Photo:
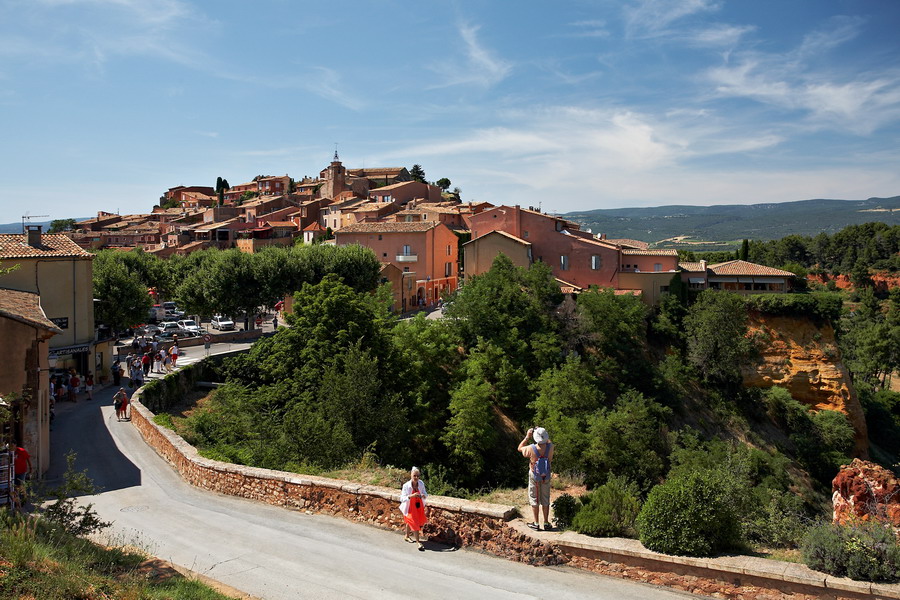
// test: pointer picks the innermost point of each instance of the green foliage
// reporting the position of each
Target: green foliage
(61, 225)
(417, 173)
(862, 551)
(443, 183)
(568, 400)
(823, 306)
(564, 509)
(823, 440)
(716, 327)
(690, 515)
(609, 510)
(630, 440)
(61, 509)
(123, 296)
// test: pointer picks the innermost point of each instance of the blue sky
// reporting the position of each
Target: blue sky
(573, 105)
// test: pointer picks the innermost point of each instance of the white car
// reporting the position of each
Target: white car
(222, 323)
(189, 325)
(170, 326)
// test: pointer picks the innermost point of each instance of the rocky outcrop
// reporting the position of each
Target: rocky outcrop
(864, 491)
(882, 281)
(803, 357)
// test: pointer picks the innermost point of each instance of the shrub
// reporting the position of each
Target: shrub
(821, 306)
(689, 515)
(609, 510)
(564, 509)
(863, 551)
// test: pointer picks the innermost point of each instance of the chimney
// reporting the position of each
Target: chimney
(602, 236)
(34, 235)
(703, 265)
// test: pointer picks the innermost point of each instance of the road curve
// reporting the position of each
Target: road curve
(277, 554)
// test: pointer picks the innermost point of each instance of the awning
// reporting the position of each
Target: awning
(745, 280)
(696, 280)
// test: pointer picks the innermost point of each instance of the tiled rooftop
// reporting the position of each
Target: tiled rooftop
(695, 267)
(637, 244)
(660, 252)
(388, 227)
(25, 307)
(53, 245)
(742, 267)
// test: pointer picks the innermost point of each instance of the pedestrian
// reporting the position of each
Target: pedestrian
(167, 361)
(157, 362)
(145, 363)
(116, 372)
(21, 468)
(539, 455)
(275, 322)
(175, 352)
(61, 389)
(74, 386)
(119, 397)
(155, 344)
(89, 385)
(135, 343)
(412, 505)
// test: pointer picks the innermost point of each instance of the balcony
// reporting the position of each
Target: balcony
(407, 258)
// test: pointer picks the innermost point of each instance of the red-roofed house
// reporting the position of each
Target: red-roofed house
(736, 276)
(312, 232)
(427, 249)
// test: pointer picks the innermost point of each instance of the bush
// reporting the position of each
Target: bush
(564, 509)
(822, 306)
(609, 510)
(864, 551)
(689, 515)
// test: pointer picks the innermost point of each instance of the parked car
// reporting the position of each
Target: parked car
(148, 330)
(222, 323)
(189, 325)
(183, 334)
(170, 326)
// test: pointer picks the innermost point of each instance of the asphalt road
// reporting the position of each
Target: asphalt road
(278, 554)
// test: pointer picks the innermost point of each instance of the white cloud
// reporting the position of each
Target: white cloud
(719, 35)
(480, 66)
(589, 29)
(649, 17)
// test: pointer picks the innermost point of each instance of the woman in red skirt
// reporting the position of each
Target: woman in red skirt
(412, 505)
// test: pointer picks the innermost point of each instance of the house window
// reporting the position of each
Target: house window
(379, 237)
(407, 251)
(596, 263)
(564, 262)
(448, 249)
(657, 267)
(525, 234)
(448, 268)
(384, 254)
(406, 269)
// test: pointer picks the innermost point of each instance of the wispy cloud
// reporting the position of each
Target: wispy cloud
(650, 17)
(480, 66)
(589, 29)
(718, 35)
(858, 102)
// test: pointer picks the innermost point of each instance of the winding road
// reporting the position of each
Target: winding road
(277, 554)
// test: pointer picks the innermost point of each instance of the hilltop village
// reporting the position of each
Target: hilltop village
(425, 237)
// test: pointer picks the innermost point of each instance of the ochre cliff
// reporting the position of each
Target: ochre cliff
(803, 357)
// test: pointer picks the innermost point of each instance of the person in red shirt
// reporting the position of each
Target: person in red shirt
(21, 469)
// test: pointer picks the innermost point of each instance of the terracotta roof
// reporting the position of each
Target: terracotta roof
(567, 288)
(53, 245)
(394, 186)
(314, 226)
(637, 244)
(691, 266)
(504, 234)
(388, 227)
(370, 206)
(282, 224)
(660, 252)
(742, 267)
(376, 171)
(25, 307)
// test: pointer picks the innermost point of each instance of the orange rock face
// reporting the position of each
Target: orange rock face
(804, 358)
(863, 491)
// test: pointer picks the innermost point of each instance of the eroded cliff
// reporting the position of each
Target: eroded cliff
(803, 357)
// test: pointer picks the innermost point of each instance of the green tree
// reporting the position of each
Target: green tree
(123, 298)
(60, 225)
(443, 183)
(417, 173)
(716, 328)
(744, 253)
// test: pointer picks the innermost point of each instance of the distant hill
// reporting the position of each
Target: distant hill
(17, 226)
(726, 224)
